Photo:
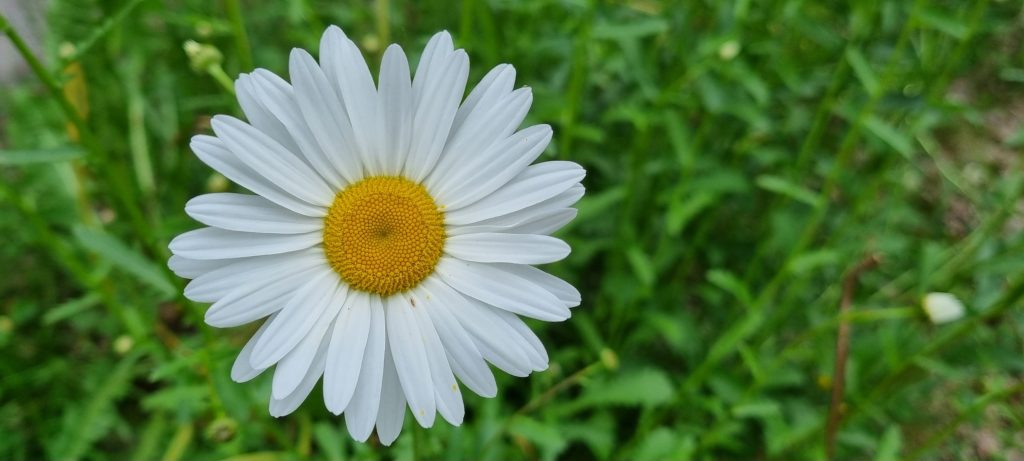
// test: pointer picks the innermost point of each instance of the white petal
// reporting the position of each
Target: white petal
(258, 115)
(528, 340)
(500, 288)
(494, 86)
(410, 359)
(345, 355)
(296, 319)
(395, 109)
(272, 160)
(535, 184)
(355, 86)
(546, 224)
(280, 98)
(391, 414)
(446, 390)
(213, 243)
(484, 130)
(213, 153)
(283, 407)
(216, 284)
(256, 299)
(297, 363)
(506, 248)
(562, 290)
(362, 410)
(546, 214)
(242, 370)
(490, 334)
(325, 115)
(466, 360)
(467, 176)
(437, 89)
(249, 213)
(191, 268)
(532, 223)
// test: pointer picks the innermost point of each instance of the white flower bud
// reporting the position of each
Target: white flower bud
(942, 307)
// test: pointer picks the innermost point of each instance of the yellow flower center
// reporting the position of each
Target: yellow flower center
(384, 234)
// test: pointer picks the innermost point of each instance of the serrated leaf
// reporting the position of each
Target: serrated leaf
(124, 257)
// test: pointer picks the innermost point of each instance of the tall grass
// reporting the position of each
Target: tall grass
(744, 159)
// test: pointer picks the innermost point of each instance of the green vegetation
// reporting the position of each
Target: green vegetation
(744, 159)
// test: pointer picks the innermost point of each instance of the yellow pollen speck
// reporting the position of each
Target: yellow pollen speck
(384, 234)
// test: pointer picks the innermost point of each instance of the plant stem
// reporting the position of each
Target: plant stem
(842, 352)
(234, 8)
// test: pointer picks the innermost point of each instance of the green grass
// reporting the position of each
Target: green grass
(742, 157)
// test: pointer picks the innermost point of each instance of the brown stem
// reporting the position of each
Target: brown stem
(843, 350)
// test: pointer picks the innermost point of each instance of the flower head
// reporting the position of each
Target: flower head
(390, 236)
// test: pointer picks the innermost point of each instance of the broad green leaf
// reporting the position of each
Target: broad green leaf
(622, 389)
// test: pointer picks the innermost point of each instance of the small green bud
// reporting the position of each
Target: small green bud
(222, 430)
(609, 358)
(202, 56)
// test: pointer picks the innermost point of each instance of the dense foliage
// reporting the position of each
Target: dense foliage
(744, 159)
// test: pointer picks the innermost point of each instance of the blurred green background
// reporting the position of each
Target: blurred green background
(745, 158)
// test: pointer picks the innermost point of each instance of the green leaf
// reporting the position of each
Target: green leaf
(731, 284)
(899, 141)
(91, 419)
(621, 389)
(805, 263)
(890, 445)
(642, 266)
(28, 157)
(758, 409)
(863, 71)
(330, 441)
(70, 308)
(124, 257)
(955, 28)
(783, 187)
(595, 205)
(548, 438)
(681, 212)
(630, 30)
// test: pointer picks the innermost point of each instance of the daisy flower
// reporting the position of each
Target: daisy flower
(391, 235)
